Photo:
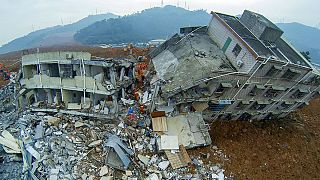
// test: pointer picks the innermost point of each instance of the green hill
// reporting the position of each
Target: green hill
(154, 23)
(57, 35)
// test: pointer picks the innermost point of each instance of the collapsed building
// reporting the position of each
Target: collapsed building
(74, 83)
(234, 68)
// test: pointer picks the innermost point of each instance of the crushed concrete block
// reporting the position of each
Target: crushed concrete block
(168, 142)
(84, 176)
(163, 165)
(125, 101)
(128, 173)
(104, 170)
(95, 143)
(39, 132)
(91, 177)
(118, 152)
(74, 106)
(8, 136)
(143, 159)
(218, 176)
(53, 177)
(106, 178)
(58, 133)
(33, 152)
(153, 176)
(54, 174)
(12, 145)
(78, 124)
(52, 121)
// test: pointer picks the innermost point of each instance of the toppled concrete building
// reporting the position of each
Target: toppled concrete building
(74, 83)
(235, 68)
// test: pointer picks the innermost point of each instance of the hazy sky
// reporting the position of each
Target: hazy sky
(19, 17)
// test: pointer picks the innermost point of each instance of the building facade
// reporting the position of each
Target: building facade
(239, 68)
(74, 82)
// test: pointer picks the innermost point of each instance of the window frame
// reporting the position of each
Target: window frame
(236, 50)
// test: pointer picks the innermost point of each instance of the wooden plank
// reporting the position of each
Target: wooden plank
(185, 154)
(158, 114)
(199, 106)
(179, 159)
(159, 124)
(12, 145)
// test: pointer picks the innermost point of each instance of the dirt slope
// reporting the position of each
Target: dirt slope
(287, 149)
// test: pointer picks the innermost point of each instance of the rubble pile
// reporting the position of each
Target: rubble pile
(69, 147)
(138, 141)
(58, 146)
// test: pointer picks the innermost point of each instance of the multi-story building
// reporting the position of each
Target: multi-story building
(234, 68)
(75, 83)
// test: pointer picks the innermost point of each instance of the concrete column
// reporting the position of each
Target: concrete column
(122, 74)
(50, 97)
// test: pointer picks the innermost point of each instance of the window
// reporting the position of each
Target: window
(223, 87)
(285, 105)
(274, 91)
(256, 90)
(242, 104)
(245, 86)
(236, 50)
(274, 70)
(291, 74)
(66, 71)
(259, 105)
(299, 93)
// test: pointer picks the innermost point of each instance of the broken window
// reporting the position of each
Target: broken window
(242, 104)
(300, 93)
(66, 71)
(236, 50)
(274, 70)
(245, 116)
(302, 105)
(285, 105)
(30, 70)
(245, 86)
(274, 91)
(223, 87)
(259, 105)
(257, 90)
(269, 116)
(69, 56)
(291, 74)
(53, 70)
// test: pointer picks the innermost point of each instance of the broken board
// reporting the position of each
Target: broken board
(179, 159)
(159, 124)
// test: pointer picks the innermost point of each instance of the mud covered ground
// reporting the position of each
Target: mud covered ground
(277, 149)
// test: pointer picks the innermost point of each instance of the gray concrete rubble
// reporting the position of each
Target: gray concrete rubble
(97, 149)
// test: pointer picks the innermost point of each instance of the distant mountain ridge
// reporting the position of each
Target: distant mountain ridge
(304, 38)
(53, 35)
(154, 23)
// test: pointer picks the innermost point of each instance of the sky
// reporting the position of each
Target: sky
(20, 17)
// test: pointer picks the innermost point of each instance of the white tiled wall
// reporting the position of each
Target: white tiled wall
(219, 34)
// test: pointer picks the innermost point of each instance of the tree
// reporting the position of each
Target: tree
(306, 54)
